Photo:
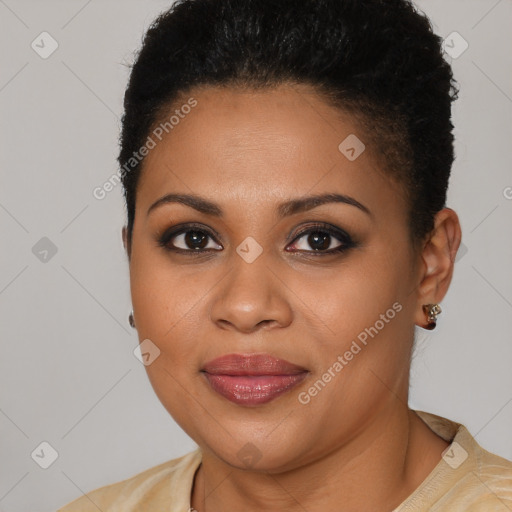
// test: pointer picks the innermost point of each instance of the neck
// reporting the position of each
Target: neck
(376, 470)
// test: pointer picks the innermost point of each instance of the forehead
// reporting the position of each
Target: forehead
(244, 147)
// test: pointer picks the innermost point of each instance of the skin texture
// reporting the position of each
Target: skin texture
(355, 445)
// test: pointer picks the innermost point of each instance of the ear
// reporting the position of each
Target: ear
(437, 261)
(124, 234)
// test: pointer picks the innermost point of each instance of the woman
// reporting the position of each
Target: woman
(285, 167)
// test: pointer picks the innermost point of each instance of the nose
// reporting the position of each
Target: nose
(251, 297)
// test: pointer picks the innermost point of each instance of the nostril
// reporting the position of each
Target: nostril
(265, 323)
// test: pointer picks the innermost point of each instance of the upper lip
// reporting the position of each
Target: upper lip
(251, 364)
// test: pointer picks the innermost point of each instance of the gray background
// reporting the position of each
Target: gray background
(68, 375)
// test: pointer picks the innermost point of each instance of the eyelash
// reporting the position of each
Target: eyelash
(346, 241)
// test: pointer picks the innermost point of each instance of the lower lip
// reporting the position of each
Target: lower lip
(253, 389)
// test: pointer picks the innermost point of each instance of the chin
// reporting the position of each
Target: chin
(247, 450)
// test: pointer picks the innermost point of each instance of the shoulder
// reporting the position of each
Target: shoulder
(492, 481)
(486, 487)
(164, 485)
(468, 478)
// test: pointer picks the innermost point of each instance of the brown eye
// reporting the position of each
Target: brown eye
(322, 240)
(195, 239)
(319, 241)
(188, 240)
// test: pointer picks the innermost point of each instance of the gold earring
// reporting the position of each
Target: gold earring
(431, 311)
(131, 320)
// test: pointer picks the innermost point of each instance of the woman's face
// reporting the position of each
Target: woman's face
(268, 278)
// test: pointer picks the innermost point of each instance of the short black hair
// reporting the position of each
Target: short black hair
(377, 59)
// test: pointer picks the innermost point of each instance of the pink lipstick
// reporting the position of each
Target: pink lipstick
(252, 379)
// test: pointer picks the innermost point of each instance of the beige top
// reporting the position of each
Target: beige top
(466, 479)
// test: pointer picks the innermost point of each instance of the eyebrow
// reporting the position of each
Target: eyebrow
(285, 209)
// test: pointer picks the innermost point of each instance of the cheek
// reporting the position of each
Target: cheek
(352, 296)
(168, 303)
(361, 358)
(366, 325)
(169, 310)
(163, 295)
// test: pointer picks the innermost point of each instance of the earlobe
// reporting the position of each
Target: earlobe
(438, 257)
(124, 234)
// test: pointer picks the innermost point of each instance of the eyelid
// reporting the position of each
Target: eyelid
(183, 227)
(320, 226)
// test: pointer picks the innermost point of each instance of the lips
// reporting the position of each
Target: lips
(252, 379)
